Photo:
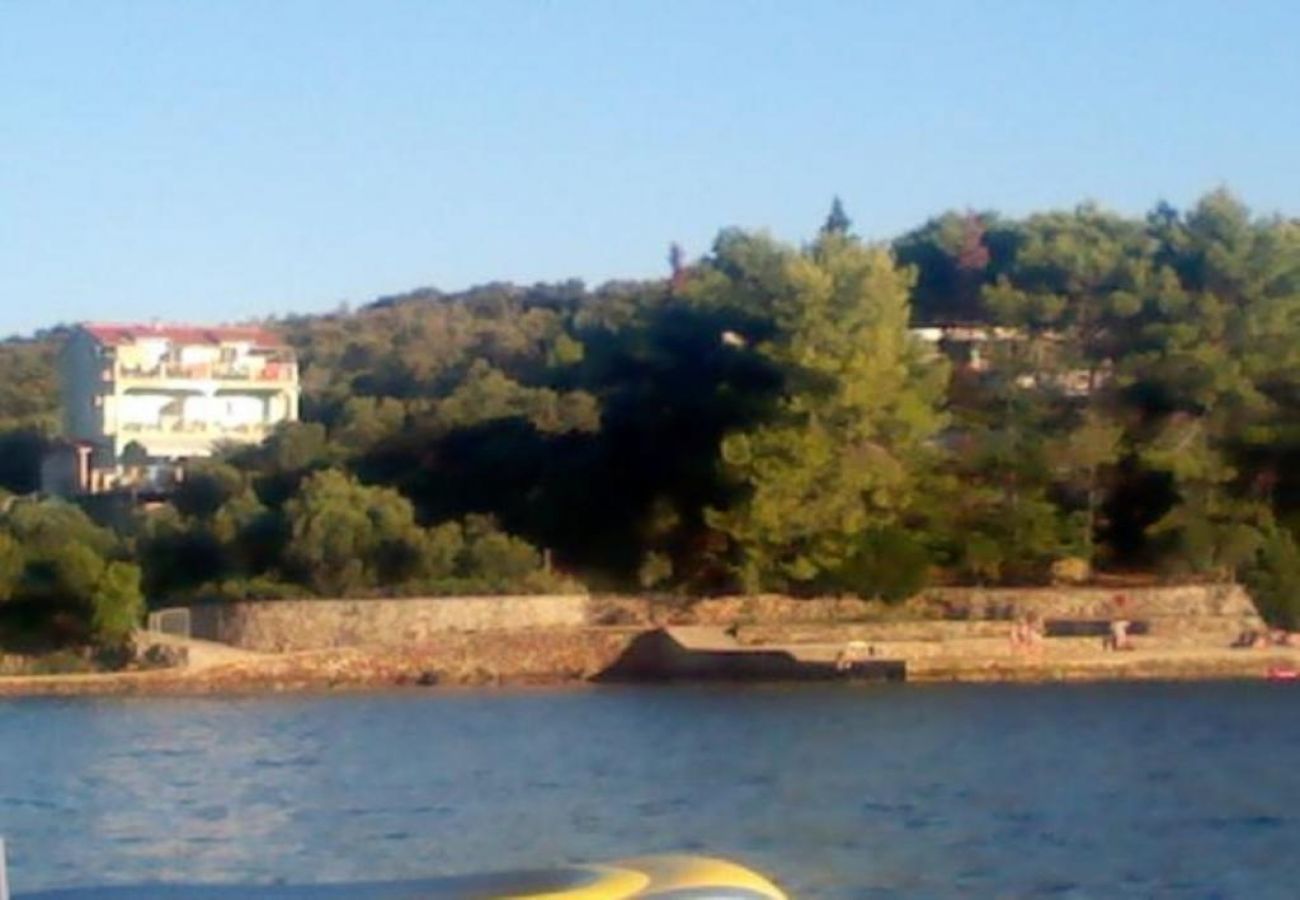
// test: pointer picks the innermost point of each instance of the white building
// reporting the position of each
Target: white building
(137, 399)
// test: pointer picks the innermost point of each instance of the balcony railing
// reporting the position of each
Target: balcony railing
(192, 427)
(278, 372)
(162, 478)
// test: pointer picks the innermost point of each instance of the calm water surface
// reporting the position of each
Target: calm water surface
(900, 791)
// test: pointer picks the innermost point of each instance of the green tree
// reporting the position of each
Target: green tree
(890, 563)
(441, 552)
(955, 256)
(20, 459)
(1210, 531)
(366, 421)
(837, 220)
(61, 575)
(346, 537)
(1212, 372)
(177, 554)
(117, 604)
(859, 406)
(1080, 460)
(207, 485)
(990, 507)
(1073, 291)
(29, 408)
(495, 559)
(487, 394)
(47, 526)
(1274, 579)
(12, 563)
(299, 446)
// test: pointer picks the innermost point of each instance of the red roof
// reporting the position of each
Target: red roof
(112, 335)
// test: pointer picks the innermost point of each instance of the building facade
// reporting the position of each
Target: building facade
(140, 399)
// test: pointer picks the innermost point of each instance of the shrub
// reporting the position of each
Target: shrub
(888, 563)
(64, 662)
(1274, 579)
(117, 604)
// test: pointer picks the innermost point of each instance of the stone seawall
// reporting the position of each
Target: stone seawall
(541, 656)
(16, 664)
(944, 634)
(1185, 603)
(290, 625)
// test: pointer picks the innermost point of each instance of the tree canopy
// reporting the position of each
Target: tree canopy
(1120, 390)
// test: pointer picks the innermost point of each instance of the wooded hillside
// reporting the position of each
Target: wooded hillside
(1126, 394)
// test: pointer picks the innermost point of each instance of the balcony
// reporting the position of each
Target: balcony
(177, 428)
(278, 372)
(160, 478)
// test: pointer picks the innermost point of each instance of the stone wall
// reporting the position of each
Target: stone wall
(522, 657)
(284, 625)
(1167, 601)
(655, 612)
(15, 664)
(1186, 602)
(540, 656)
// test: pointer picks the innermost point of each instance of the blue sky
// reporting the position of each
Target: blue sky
(226, 159)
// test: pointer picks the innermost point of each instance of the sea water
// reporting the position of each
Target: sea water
(1180, 790)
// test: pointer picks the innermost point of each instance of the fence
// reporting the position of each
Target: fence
(175, 621)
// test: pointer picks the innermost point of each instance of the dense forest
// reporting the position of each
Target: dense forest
(1107, 393)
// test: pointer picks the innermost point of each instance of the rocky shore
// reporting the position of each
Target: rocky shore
(532, 657)
(579, 656)
(954, 635)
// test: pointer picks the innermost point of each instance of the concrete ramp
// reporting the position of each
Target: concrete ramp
(700, 653)
(199, 654)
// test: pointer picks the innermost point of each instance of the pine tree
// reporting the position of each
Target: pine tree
(841, 455)
(837, 221)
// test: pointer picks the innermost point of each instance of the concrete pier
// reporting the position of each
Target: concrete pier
(699, 653)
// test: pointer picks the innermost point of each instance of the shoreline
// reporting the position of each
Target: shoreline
(356, 670)
(1139, 665)
(1187, 633)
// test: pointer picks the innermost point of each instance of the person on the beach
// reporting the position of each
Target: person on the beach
(853, 652)
(1033, 632)
(1119, 625)
(1017, 635)
(1119, 639)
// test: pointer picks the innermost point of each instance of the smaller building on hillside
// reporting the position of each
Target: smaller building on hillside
(138, 400)
(973, 351)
